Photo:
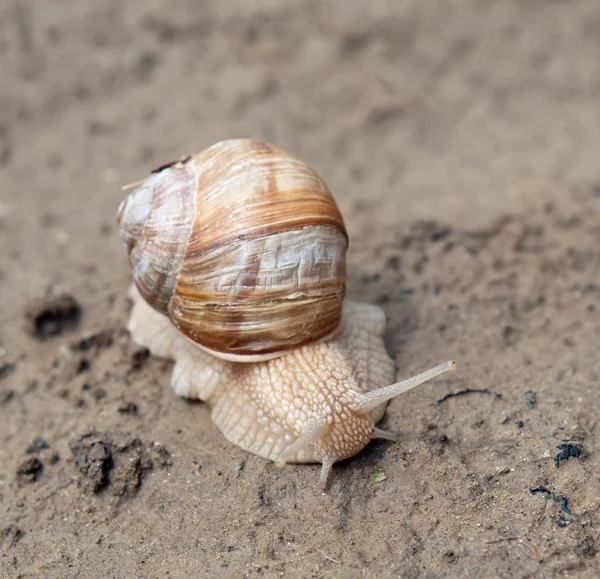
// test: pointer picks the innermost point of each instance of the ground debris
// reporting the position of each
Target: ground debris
(379, 475)
(97, 340)
(30, 470)
(128, 408)
(36, 445)
(6, 370)
(182, 160)
(51, 317)
(561, 520)
(568, 450)
(468, 391)
(531, 399)
(116, 461)
(138, 358)
(6, 397)
(561, 501)
(10, 534)
(586, 547)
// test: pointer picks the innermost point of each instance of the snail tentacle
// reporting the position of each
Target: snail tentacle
(314, 431)
(325, 469)
(369, 400)
(377, 433)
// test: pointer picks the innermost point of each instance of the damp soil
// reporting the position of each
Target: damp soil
(461, 142)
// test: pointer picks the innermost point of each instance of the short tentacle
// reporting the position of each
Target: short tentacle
(314, 430)
(327, 463)
(377, 433)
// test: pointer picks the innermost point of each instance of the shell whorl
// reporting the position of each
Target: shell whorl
(242, 246)
(155, 222)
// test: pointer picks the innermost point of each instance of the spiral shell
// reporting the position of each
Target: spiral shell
(242, 246)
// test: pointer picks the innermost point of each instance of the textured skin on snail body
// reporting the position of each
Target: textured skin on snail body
(304, 375)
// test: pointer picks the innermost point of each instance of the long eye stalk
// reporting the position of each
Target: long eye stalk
(370, 400)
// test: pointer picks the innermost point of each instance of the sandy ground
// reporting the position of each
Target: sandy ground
(462, 142)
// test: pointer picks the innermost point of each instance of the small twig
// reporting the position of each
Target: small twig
(532, 552)
(132, 185)
(502, 539)
(330, 558)
(468, 391)
(179, 163)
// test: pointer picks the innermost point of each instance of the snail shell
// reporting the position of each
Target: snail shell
(238, 255)
(242, 246)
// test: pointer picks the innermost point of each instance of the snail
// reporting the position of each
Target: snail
(238, 259)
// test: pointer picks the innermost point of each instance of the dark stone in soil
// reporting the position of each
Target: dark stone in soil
(530, 399)
(128, 408)
(30, 470)
(53, 317)
(6, 370)
(567, 450)
(116, 461)
(38, 444)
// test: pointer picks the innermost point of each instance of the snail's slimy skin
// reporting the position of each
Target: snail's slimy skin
(319, 403)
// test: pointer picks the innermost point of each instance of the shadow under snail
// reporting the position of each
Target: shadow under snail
(238, 256)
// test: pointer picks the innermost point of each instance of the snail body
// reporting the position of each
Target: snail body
(238, 261)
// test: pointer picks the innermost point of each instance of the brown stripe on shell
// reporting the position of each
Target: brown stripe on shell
(265, 266)
(277, 326)
(263, 295)
(251, 189)
(310, 260)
